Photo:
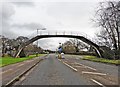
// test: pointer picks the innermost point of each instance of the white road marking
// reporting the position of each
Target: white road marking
(20, 65)
(59, 59)
(77, 58)
(68, 65)
(89, 67)
(22, 78)
(6, 71)
(66, 61)
(77, 66)
(85, 66)
(75, 63)
(97, 82)
(84, 72)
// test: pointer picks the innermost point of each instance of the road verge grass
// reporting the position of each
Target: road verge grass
(4, 61)
(102, 60)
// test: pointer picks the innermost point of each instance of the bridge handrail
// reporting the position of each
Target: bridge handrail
(61, 32)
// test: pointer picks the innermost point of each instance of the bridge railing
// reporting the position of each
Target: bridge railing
(60, 32)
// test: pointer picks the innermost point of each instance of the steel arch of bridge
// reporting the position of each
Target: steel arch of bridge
(82, 38)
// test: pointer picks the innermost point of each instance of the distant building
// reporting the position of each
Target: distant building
(68, 47)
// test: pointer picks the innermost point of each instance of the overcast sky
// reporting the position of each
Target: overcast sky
(22, 18)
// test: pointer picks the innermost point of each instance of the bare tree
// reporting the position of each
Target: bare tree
(108, 18)
(79, 45)
(21, 39)
(103, 39)
(76, 43)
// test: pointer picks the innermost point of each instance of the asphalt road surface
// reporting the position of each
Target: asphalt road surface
(50, 71)
(105, 68)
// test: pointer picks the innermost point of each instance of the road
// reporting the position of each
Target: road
(53, 72)
(69, 71)
(106, 74)
(106, 68)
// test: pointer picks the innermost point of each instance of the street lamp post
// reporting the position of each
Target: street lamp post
(40, 34)
(40, 29)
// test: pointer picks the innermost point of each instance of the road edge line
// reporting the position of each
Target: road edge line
(95, 81)
(19, 76)
(68, 65)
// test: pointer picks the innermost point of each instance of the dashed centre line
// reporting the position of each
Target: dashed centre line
(98, 83)
(68, 65)
(84, 72)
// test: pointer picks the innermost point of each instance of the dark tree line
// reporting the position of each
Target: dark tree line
(10, 46)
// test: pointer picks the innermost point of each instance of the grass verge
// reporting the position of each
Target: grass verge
(102, 60)
(4, 61)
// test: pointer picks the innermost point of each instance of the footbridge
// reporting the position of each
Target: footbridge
(66, 34)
